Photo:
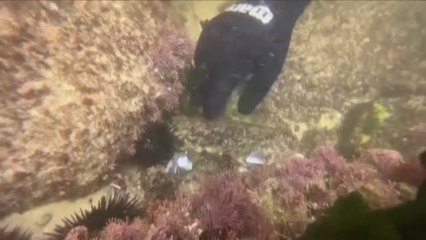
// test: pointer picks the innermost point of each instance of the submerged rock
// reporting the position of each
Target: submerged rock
(342, 54)
(79, 82)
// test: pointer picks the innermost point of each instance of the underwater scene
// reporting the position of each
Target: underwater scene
(213, 120)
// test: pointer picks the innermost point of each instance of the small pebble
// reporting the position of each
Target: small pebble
(44, 219)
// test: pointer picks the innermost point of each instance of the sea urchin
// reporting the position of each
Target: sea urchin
(16, 233)
(157, 145)
(117, 206)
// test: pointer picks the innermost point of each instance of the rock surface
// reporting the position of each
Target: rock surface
(341, 54)
(79, 81)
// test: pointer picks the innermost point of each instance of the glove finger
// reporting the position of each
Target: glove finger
(259, 85)
(215, 95)
(269, 65)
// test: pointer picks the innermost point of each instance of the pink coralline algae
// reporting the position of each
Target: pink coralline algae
(78, 233)
(226, 210)
(124, 230)
(297, 191)
(168, 58)
(275, 201)
(172, 221)
(411, 172)
(114, 230)
(384, 160)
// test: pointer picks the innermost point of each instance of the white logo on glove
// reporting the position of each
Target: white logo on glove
(260, 12)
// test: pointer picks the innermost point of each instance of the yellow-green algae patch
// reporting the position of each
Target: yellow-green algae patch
(329, 120)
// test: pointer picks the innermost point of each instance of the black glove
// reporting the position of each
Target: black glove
(245, 44)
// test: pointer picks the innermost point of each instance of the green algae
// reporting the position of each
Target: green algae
(372, 124)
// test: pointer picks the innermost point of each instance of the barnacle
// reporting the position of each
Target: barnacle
(117, 206)
(16, 233)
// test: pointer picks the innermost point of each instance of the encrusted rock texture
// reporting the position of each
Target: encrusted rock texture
(78, 82)
(342, 53)
(345, 53)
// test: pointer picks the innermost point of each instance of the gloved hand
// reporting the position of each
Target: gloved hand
(246, 44)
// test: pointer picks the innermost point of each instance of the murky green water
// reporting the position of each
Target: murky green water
(342, 54)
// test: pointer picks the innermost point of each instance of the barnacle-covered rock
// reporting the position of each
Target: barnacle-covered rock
(79, 81)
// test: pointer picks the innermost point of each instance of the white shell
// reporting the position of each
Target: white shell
(184, 163)
(179, 161)
(256, 158)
